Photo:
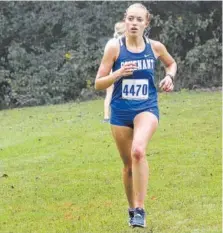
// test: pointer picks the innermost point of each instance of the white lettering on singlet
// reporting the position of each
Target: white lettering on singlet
(143, 64)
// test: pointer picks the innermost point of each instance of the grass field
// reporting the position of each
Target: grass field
(60, 171)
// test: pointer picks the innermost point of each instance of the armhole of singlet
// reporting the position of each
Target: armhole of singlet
(120, 45)
(120, 42)
(148, 42)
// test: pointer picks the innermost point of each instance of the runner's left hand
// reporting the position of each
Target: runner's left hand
(166, 84)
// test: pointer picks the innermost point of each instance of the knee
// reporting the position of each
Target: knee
(138, 153)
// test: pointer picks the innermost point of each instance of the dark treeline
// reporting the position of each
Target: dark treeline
(50, 51)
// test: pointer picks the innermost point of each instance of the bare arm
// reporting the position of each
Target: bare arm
(104, 77)
(168, 61)
(170, 66)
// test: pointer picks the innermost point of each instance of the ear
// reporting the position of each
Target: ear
(147, 24)
(150, 18)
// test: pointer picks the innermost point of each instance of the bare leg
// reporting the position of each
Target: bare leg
(145, 125)
(123, 138)
(107, 101)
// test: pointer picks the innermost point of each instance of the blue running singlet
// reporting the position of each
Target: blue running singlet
(136, 93)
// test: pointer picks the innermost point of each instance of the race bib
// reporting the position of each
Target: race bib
(135, 89)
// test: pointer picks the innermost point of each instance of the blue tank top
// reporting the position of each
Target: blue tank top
(138, 91)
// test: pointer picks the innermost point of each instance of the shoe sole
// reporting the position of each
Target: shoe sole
(141, 226)
(137, 225)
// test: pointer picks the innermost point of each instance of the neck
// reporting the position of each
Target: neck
(135, 41)
(136, 44)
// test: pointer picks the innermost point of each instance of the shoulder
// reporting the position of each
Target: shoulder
(158, 47)
(112, 48)
(112, 44)
(157, 44)
(162, 53)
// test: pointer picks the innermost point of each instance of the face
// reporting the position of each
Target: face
(136, 21)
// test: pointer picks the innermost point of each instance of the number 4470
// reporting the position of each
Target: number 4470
(135, 90)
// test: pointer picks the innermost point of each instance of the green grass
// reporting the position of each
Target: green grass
(64, 172)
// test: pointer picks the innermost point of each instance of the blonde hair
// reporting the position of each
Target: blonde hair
(148, 15)
(119, 29)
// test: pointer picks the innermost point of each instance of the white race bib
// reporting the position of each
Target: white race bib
(135, 89)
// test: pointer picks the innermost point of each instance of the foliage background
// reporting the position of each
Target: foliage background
(50, 51)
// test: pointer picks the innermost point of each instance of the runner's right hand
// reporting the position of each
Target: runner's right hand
(127, 69)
